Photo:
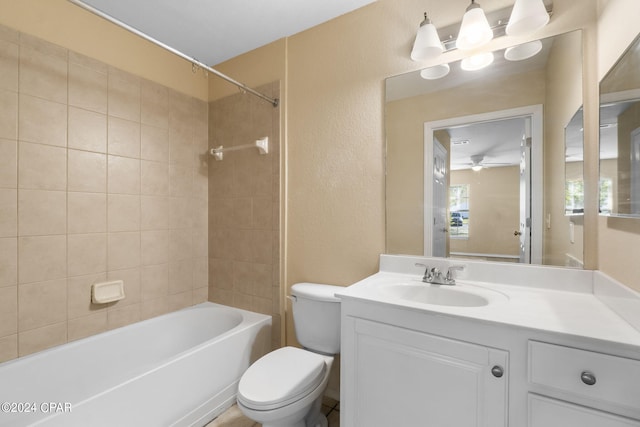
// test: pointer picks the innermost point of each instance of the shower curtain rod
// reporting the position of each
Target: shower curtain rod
(80, 3)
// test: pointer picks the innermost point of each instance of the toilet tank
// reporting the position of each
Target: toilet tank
(316, 316)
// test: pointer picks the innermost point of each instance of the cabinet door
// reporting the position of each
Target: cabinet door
(544, 412)
(406, 378)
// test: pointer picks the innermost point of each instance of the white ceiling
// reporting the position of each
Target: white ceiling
(213, 31)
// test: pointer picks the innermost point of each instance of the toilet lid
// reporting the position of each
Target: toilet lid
(281, 377)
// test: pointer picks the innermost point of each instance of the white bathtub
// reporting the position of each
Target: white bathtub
(180, 369)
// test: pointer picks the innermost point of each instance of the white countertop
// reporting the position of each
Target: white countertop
(577, 311)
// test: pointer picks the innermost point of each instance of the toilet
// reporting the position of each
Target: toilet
(284, 388)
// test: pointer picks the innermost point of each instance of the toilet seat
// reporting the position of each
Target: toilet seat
(281, 378)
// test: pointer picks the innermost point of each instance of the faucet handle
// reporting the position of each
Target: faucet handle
(425, 277)
(450, 272)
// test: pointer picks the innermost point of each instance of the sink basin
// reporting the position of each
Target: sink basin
(457, 296)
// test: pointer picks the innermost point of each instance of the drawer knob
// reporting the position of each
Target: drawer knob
(588, 378)
(497, 371)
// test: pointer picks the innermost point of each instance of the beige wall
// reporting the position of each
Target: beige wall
(617, 237)
(244, 207)
(100, 179)
(62, 23)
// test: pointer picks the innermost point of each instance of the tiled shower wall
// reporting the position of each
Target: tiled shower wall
(103, 176)
(244, 201)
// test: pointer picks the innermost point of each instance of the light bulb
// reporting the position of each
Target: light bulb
(477, 62)
(475, 30)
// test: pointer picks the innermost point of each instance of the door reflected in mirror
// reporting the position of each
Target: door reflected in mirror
(461, 179)
(620, 136)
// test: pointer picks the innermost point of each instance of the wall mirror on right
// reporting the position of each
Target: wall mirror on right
(620, 136)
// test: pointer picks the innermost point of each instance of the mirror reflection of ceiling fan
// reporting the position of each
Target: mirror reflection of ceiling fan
(478, 162)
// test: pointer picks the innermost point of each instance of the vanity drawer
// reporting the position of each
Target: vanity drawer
(610, 379)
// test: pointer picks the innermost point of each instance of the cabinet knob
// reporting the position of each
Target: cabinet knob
(497, 371)
(588, 378)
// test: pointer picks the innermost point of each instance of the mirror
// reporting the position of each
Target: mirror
(574, 165)
(620, 136)
(507, 121)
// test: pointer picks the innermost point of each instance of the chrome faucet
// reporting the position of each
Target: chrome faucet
(435, 276)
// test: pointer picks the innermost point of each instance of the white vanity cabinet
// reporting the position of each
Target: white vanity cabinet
(574, 380)
(402, 377)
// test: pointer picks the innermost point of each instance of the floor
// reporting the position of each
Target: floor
(232, 417)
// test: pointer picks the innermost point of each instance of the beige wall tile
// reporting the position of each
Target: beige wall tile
(8, 348)
(262, 247)
(87, 87)
(154, 144)
(41, 304)
(86, 326)
(221, 296)
(155, 247)
(8, 212)
(180, 181)
(42, 121)
(8, 66)
(131, 278)
(79, 295)
(118, 317)
(199, 213)
(87, 213)
(87, 130)
(154, 307)
(180, 245)
(42, 74)
(154, 212)
(8, 261)
(42, 258)
(8, 163)
(86, 254)
(42, 167)
(42, 212)
(123, 250)
(200, 242)
(123, 212)
(180, 146)
(154, 104)
(8, 114)
(123, 175)
(154, 178)
(200, 272)
(180, 276)
(123, 137)
(154, 281)
(200, 295)
(124, 95)
(42, 46)
(220, 273)
(8, 311)
(180, 301)
(87, 171)
(179, 213)
(40, 339)
(76, 58)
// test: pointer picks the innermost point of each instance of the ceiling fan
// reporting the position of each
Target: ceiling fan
(478, 162)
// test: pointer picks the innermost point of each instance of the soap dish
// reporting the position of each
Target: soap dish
(104, 292)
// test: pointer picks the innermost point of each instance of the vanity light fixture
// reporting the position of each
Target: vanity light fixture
(527, 17)
(435, 72)
(477, 61)
(427, 44)
(474, 30)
